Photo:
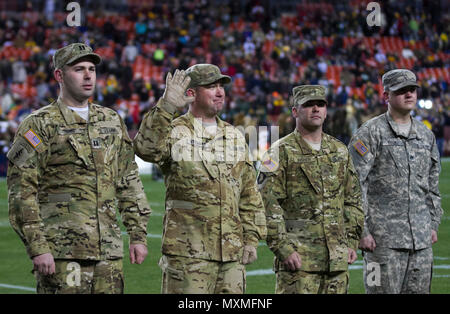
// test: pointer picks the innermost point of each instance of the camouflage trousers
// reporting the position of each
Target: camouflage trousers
(396, 271)
(184, 275)
(82, 277)
(302, 282)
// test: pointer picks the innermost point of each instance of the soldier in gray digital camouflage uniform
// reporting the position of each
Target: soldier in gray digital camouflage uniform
(214, 213)
(313, 202)
(398, 164)
(71, 167)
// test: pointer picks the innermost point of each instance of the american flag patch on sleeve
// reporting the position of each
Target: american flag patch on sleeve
(360, 147)
(32, 138)
(270, 165)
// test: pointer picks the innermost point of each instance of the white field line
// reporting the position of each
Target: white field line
(269, 271)
(4, 285)
(257, 272)
(352, 267)
(150, 235)
(260, 272)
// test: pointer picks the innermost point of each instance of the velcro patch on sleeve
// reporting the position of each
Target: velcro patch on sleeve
(32, 138)
(360, 147)
(19, 154)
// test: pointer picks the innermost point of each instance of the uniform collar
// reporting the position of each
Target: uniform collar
(72, 118)
(200, 131)
(395, 129)
(326, 147)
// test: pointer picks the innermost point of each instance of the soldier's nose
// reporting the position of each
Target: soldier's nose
(220, 91)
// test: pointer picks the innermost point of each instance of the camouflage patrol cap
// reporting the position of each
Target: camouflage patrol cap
(205, 74)
(73, 52)
(304, 93)
(397, 79)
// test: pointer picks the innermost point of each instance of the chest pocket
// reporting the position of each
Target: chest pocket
(420, 154)
(332, 169)
(301, 176)
(393, 155)
(234, 158)
(105, 142)
(71, 146)
(420, 162)
(111, 136)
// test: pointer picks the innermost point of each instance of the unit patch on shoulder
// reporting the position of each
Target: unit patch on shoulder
(19, 154)
(360, 148)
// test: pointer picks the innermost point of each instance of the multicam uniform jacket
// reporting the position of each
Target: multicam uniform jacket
(66, 179)
(213, 207)
(313, 203)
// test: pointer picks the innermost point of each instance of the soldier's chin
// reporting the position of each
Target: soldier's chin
(88, 94)
(218, 107)
(83, 97)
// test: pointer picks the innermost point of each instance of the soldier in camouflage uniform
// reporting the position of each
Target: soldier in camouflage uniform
(71, 167)
(398, 164)
(313, 202)
(214, 213)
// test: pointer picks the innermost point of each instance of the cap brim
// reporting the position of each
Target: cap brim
(309, 98)
(96, 59)
(225, 79)
(401, 85)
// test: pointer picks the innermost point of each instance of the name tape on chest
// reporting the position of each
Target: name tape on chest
(360, 148)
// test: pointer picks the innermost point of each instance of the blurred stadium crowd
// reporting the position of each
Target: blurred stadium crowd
(266, 46)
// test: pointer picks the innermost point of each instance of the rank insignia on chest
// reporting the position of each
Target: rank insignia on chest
(32, 138)
(360, 147)
(96, 143)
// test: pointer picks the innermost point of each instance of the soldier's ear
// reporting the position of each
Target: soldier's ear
(295, 111)
(386, 97)
(58, 74)
(190, 92)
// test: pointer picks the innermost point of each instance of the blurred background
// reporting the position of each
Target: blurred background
(266, 46)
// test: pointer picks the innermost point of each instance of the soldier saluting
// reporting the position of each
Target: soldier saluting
(214, 213)
(71, 167)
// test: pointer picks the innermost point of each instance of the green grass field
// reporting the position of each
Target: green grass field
(15, 266)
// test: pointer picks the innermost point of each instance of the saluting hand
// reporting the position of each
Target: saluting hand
(176, 86)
